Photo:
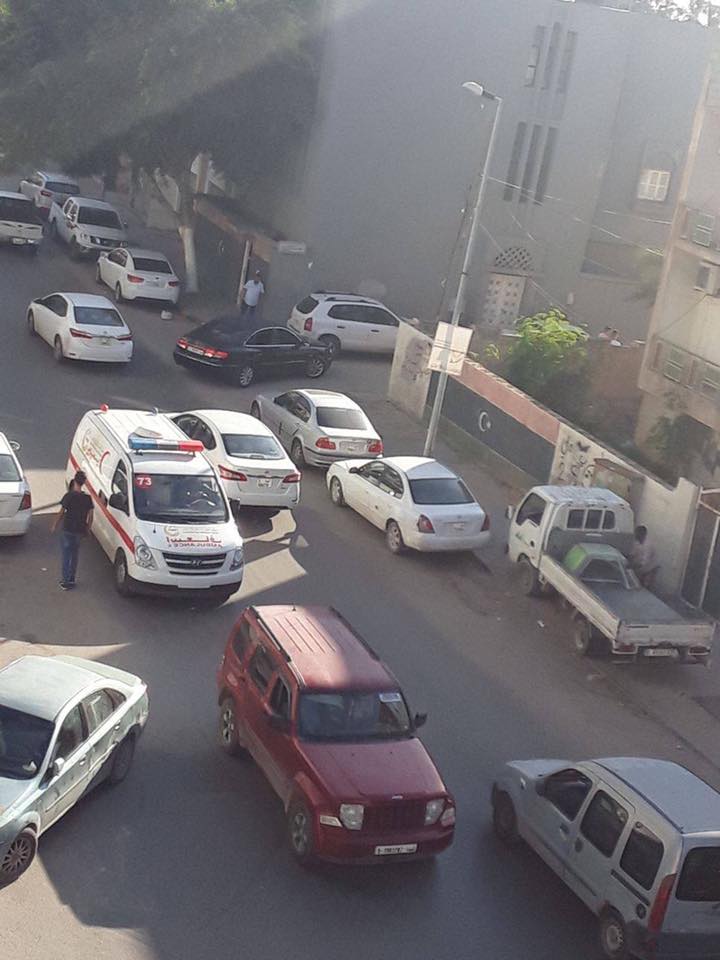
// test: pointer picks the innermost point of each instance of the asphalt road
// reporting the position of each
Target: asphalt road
(187, 859)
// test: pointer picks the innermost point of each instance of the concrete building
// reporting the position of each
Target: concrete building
(597, 114)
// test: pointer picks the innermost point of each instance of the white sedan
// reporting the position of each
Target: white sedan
(15, 499)
(253, 468)
(419, 503)
(132, 273)
(79, 326)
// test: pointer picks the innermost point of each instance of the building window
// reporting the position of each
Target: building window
(566, 63)
(514, 164)
(674, 365)
(653, 185)
(710, 383)
(552, 53)
(546, 164)
(535, 54)
(530, 163)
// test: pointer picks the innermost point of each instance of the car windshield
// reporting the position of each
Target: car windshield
(440, 490)
(340, 418)
(99, 316)
(351, 716)
(17, 210)
(176, 498)
(151, 266)
(24, 740)
(8, 470)
(58, 186)
(244, 445)
(97, 217)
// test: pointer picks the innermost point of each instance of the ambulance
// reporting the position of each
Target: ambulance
(161, 514)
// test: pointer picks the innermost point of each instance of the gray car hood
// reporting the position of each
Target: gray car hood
(12, 790)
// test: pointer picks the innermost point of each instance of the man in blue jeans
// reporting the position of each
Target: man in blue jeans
(76, 517)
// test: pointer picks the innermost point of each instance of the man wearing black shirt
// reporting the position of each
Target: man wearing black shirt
(76, 517)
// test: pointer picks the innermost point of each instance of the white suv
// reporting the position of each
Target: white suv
(42, 188)
(344, 321)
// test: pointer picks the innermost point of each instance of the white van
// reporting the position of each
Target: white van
(161, 515)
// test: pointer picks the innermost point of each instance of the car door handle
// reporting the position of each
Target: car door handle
(374, 331)
(341, 326)
(117, 726)
(82, 762)
(563, 828)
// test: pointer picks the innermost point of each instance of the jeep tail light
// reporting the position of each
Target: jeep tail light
(486, 523)
(124, 336)
(26, 502)
(324, 443)
(173, 283)
(228, 474)
(659, 908)
(307, 326)
(182, 343)
(45, 193)
(424, 524)
(131, 278)
(292, 478)
(375, 446)
(215, 354)
(80, 334)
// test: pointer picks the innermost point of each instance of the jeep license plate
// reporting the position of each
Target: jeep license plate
(659, 653)
(396, 848)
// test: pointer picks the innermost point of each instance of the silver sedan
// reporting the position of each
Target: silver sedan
(319, 426)
(66, 724)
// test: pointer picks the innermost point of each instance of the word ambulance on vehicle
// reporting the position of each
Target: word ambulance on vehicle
(161, 515)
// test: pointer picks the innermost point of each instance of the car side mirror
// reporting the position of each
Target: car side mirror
(57, 766)
(118, 501)
(276, 722)
(419, 720)
(354, 470)
(276, 400)
(509, 512)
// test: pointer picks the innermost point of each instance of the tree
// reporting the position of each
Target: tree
(706, 12)
(160, 80)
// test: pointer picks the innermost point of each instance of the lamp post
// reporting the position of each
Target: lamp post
(479, 91)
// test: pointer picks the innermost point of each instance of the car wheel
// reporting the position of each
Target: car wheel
(300, 831)
(245, 375)
(18, 857)
(31, 323)
(504, 818)
(118, 293)
(123, 581)
(332, 343)
(297, 454)
(58, 352)
(336, 492)
(255, 411)
(122, 760)
(587, 641)
(228, 729)
(315, 367)
(394, 537)
(529, 580)
(613, 937)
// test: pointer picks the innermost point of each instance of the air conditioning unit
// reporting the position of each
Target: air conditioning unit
(708, 278)
(703, 230)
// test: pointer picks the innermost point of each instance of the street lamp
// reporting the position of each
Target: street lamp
(479, 91)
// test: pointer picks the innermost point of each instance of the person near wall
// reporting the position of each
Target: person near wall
(606, 334)
(251, 294)
(642, 558)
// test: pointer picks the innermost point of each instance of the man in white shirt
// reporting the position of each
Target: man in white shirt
(251, 293)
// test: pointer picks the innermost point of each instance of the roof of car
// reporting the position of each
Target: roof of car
(11, 195)
(327, 398)
(92, 202)
(61, 177)
(351, 297)
(692, 805)
(586, 495)
(230, 421)
(419, 468)
(140, 252)
(86, 299)
(324, 650)
(42, 686)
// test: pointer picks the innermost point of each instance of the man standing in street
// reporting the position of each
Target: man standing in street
(642, 558)
(251, 293)
(76, 517)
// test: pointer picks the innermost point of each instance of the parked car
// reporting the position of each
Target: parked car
(344, 321)
(232, 348)
(87, 226)
(80, 326)
(19, 222)
(15, 497)
(253, 468)
(133, 273)
(318, 426)
(329, 726)
(66, 725)
(638, 841)
(418, 502)
(43, 188)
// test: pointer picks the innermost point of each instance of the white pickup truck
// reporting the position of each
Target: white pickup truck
(87, 226)
(574, 541)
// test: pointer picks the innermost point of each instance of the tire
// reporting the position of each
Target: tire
(122, 760)
(300, 832)
(123, 581)
(255, 411)
(505, 818)
(336, 492)
(118, 293)
(18, 857)
(227, 729)
(586, 640)
(297, 454)
(245, 375)
(315, 367)
(613, 936)
(332, 343)
(31, 324)
(394, 537)
(58, 350)
(529, 579)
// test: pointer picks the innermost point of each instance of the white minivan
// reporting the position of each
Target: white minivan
(161, 514)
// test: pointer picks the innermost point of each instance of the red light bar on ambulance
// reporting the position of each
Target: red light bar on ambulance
(143, 444)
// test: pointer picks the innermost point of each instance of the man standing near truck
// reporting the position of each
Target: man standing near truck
(642, 557)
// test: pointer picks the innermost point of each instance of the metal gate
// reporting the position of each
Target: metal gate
(701, 586)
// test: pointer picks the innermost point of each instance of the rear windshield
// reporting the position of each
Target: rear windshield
(8, 470)
(58, 187)
(260, 448)
(97, 217)
(152, 266)
(21, 211)
(307, 305)
(99, 316)
(341, 418)
(700, 877)
(440, 490)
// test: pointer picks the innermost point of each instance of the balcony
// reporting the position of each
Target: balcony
(700, 235)
(671, 370)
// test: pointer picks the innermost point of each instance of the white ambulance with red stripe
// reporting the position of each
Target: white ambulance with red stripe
(161, 514)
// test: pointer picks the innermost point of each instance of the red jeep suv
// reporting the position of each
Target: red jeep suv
(328, 724)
